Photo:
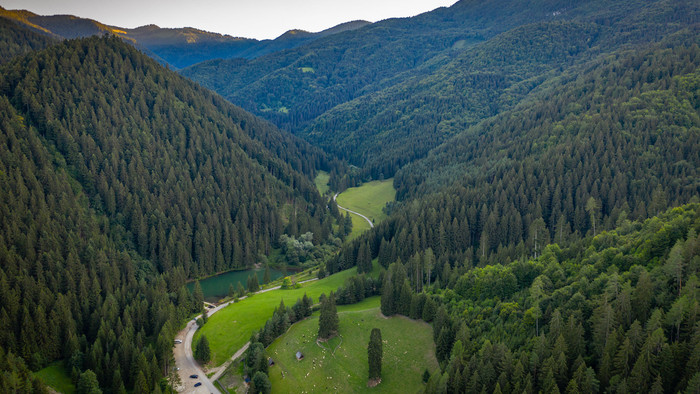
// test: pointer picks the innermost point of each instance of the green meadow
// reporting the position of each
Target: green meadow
(340, 365)
(230, 328)
(368, 199)
(55, 376)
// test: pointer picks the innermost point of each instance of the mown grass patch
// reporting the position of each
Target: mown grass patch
(230, 328)
(369, 199)
(407, 346)
(56, 377)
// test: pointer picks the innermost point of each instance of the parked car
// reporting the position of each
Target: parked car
(194, 376)
(178, 341)
(197, 384)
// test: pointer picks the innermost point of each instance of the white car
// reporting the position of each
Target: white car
(178, 341)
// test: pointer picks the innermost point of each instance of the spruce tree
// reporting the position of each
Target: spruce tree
(266, 276)
(198, 296)
(374, 355)
(387, 299)
(202, 352)
(328, 321)
(307, 302)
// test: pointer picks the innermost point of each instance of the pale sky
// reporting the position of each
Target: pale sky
(240, 18)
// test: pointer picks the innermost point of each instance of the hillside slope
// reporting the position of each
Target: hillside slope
(618, 139)
(383, 131)
(16, 41)
(119, 179)
(383, 95)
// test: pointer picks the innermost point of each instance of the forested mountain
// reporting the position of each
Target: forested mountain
(119, 180)
(619, 140)
(616, 311)
(383, 95)
(178, 47)
(14, 41)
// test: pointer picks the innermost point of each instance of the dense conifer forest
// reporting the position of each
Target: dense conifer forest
(121, 180)
(384, 95)
(554, 167)
(545, 159)
(15, 41)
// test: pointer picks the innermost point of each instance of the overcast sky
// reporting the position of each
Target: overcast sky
(241, 18)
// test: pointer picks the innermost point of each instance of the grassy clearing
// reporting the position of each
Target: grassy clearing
(56, 377)
(321, 181)
(369, 199)
(359, 226)
(343, 367)
(230, 328)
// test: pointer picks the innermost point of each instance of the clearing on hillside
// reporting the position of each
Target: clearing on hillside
(56, 377)
(321, 182)
(340, 365)
(368, 199)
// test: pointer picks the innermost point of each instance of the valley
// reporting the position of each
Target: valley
(508, 191)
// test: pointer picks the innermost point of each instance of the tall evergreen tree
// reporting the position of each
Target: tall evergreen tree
(374, 355)
(328, 320)
(202, 352)
(198, 296)
(266, 276)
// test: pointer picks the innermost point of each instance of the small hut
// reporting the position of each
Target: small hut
(270, 362)
(300, 356)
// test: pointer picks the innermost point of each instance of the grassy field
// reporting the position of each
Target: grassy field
(56, 377)
(322, 181)
(368, 199)
(341, 364)
(359, 226)
(230, 328)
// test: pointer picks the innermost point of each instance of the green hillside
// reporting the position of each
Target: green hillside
(120, 179)
(341, 365)
(623, 133)
(537, 149)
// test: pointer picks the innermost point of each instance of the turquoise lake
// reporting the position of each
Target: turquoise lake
(216, 287)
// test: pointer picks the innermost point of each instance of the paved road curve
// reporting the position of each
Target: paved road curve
(356, 213)
(187, 364)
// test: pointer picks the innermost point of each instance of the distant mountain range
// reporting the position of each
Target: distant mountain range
(180, 47)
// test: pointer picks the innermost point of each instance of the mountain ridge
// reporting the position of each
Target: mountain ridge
(178, 47)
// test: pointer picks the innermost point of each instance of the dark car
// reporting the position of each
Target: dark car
(194, 376)
(197, 384)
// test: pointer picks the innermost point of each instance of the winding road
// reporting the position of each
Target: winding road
(371, 225)
(184, 359)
